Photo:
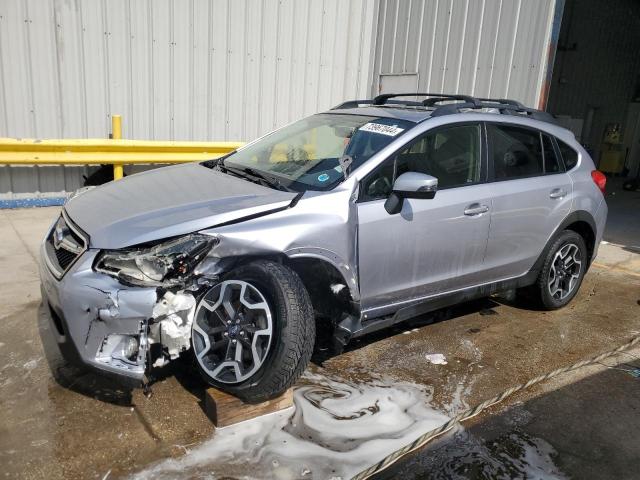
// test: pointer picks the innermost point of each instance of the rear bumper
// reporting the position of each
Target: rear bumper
(600, 218)
(89, 311)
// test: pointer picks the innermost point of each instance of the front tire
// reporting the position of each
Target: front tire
(562, 272)
(253, 333)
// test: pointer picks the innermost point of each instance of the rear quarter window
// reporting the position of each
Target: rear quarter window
(552, 163)
(516, 152)
(569, 155)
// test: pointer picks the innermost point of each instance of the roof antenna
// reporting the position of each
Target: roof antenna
(345, 162)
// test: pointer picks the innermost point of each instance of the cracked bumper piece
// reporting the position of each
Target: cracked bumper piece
(98, 322)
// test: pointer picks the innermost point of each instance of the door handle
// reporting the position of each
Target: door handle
(475, 209)
(558, 193)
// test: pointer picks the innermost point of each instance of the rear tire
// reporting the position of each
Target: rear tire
(562, 272)
(276, 311)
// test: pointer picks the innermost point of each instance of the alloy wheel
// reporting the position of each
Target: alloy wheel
(565, 271)
(232, 331)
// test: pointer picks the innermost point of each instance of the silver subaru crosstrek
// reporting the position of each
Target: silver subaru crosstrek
(344, 223)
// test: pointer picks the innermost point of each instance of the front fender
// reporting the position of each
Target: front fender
(347, 271)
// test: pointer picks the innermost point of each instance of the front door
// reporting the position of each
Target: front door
(432, 245)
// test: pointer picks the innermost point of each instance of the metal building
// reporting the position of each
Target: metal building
(486, 48)
(235, 69)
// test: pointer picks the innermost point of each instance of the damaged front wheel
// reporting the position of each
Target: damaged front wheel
(253, 333)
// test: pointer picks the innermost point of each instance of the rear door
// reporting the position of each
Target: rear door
(432, 245)
(531, 196)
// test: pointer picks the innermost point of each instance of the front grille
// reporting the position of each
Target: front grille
(65, 258)
(63, 246)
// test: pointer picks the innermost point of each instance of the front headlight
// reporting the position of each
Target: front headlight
(165, 264)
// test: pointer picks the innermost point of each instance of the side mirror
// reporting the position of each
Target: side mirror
(410, 185)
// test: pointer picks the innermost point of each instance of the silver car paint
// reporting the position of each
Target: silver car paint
(518, 258)
(167, 202)
(430, 248)
(95, 306)
(322, 225)
(523, 216)
(601, 220)
(421, 250)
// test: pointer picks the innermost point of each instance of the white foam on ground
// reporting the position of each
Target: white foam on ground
(436, 358)
(337, 430)
(466, 381)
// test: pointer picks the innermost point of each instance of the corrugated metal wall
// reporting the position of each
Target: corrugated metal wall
(487, 48)
(235, 69)
(177, 69)
(174, 69)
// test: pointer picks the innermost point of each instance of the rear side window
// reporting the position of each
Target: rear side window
(516, 152)
(569, 155)
(552, 163)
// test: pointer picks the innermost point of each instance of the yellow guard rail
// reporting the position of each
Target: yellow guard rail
(115, 151)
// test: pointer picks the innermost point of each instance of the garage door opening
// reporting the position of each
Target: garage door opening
(595, 92)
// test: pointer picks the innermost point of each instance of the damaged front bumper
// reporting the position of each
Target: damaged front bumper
(106, 326)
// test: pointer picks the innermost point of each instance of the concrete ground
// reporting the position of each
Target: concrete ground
(60, 423)
(580, 425)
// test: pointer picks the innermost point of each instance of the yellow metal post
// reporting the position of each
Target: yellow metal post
(116, 134)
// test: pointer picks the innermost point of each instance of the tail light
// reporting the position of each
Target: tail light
(599, 179)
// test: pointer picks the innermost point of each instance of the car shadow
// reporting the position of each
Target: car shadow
(484, 306)
(523, 300)
(184, 370)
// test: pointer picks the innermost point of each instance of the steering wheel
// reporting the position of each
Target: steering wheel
(381, 186)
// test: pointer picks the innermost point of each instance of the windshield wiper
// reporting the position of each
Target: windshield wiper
(253, 175)
(270, 181)
(215, 162)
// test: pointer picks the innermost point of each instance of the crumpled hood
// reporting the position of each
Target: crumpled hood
(166, 202)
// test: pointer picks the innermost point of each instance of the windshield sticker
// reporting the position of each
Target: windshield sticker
(389, 130)
(323, 177)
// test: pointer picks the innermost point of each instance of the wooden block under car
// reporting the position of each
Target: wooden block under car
(224, 409)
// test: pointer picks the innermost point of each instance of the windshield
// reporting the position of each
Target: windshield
(305, 155)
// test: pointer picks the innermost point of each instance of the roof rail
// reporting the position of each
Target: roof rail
(356, 103)
(352, 104)
(503, 100)
(511, 108)
(385, 97)
(456, 104)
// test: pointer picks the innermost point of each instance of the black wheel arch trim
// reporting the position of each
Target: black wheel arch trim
(573, 217)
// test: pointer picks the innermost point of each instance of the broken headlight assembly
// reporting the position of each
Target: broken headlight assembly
(165, 264)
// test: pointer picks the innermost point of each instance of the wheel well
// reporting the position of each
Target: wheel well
(318, 277)
(329, 292)
(586, 232)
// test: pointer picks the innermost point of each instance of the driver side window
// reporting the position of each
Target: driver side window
(450, 154)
